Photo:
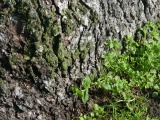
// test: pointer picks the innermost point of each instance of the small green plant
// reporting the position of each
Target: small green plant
(83, 93)
(131, 67)
(98, 112)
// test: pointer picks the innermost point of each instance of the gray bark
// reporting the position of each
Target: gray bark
(115, 19)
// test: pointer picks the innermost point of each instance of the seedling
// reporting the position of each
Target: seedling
(83, 93)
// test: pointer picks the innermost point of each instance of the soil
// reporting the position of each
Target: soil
(154, 108)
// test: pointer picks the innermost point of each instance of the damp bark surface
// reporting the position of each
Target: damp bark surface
(46, 46)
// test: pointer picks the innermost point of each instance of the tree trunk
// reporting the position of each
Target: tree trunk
(46, 45)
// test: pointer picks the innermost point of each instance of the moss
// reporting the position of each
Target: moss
(41, 30)
(41, 68)
(47, 46)
(73, 17)
(9, 6)
(4, 1)
(65, 59)
(32, 15)
(31, 73)
(7, 11)
(53, 29)
(62, 51)
(35, 31)
(65, 65)
(23, 7)
(29, 51)
(73, 6)
(82, 9)
(80, 75)
(14, 59)
(78, 7)
(83, 54)
(94, 73)
(68, 25)
(67, 28)
(75, 54)
(1, 81)
(51, 59)
(3, 19)
(93, 17)
(86, 46)
(53, 74)
(3, 86)
(47, 16)
(68, 13)
(46, 39)
(64, 68)
(45, 50)
(35, 3)
(39, 49)
(1, 70)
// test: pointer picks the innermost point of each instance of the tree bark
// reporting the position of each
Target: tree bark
(91, 22)
(51, 43)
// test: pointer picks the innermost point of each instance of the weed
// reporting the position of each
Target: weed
(83, 93)
(131, 68)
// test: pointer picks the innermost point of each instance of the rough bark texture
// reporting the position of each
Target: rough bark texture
(46, 45)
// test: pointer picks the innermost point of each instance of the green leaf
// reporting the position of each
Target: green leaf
(85, 96)
(129, 107)
(77, 91)
(111, 45)
(126, 96)
(157, 87)
(26, 57)
(155, 94)
(86, 82)
(92, 114)
(153, 71)
(106, 86)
